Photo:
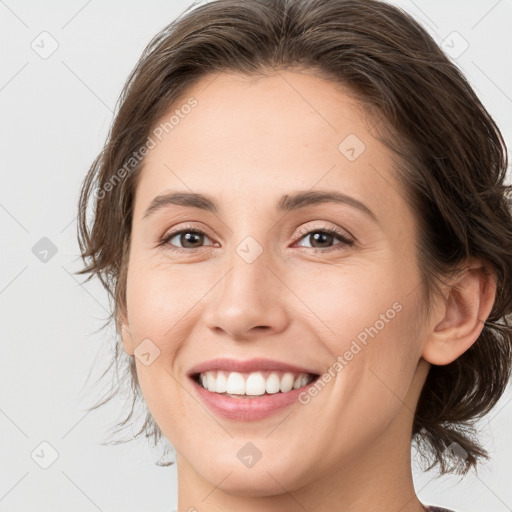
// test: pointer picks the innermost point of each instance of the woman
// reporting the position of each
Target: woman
(301, 215)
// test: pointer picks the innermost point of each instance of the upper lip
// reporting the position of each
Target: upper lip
(250, 365)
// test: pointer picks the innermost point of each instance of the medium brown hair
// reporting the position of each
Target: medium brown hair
(450, 158)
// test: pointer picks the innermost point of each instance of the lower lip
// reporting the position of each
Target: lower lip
(248, 409)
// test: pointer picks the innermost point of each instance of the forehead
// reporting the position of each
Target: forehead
(255, 139)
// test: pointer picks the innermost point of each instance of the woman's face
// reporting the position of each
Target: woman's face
(268, 280)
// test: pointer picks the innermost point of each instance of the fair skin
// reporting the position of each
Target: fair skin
(246, 144)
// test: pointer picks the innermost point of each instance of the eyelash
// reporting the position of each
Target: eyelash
(304, 232)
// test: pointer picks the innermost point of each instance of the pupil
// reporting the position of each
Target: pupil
(186, 237)
(321, 235)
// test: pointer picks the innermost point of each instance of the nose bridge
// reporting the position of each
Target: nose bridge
(250, 253)
(248, 271)
(247, 296)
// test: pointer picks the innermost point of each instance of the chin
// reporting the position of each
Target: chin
(267, 477)
(259, 485)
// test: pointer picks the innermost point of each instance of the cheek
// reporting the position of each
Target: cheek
(158, 302)
(376, 362)
(353, 300)
(367, 320)
(158, 299)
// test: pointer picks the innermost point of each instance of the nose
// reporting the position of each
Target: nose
(248, 302)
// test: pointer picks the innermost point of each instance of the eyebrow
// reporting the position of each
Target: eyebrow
(287, 202)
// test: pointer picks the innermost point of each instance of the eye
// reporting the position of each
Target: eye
(189, 237)
(325, 235)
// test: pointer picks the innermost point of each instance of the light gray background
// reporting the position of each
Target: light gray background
(55, 114)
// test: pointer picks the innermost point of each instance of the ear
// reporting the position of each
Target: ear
(459, 318)
(124, 331)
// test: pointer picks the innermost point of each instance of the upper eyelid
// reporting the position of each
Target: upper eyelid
(302, 232)
(308, 229)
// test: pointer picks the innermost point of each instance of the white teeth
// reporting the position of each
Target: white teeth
(235, 385)
(255, 384)
(221, 384)
(286, 383)
(273, 383)
(210, 380)
(252, 384)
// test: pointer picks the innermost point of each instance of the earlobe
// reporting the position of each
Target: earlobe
(462, 315)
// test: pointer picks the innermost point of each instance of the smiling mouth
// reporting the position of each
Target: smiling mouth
(252, 384)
